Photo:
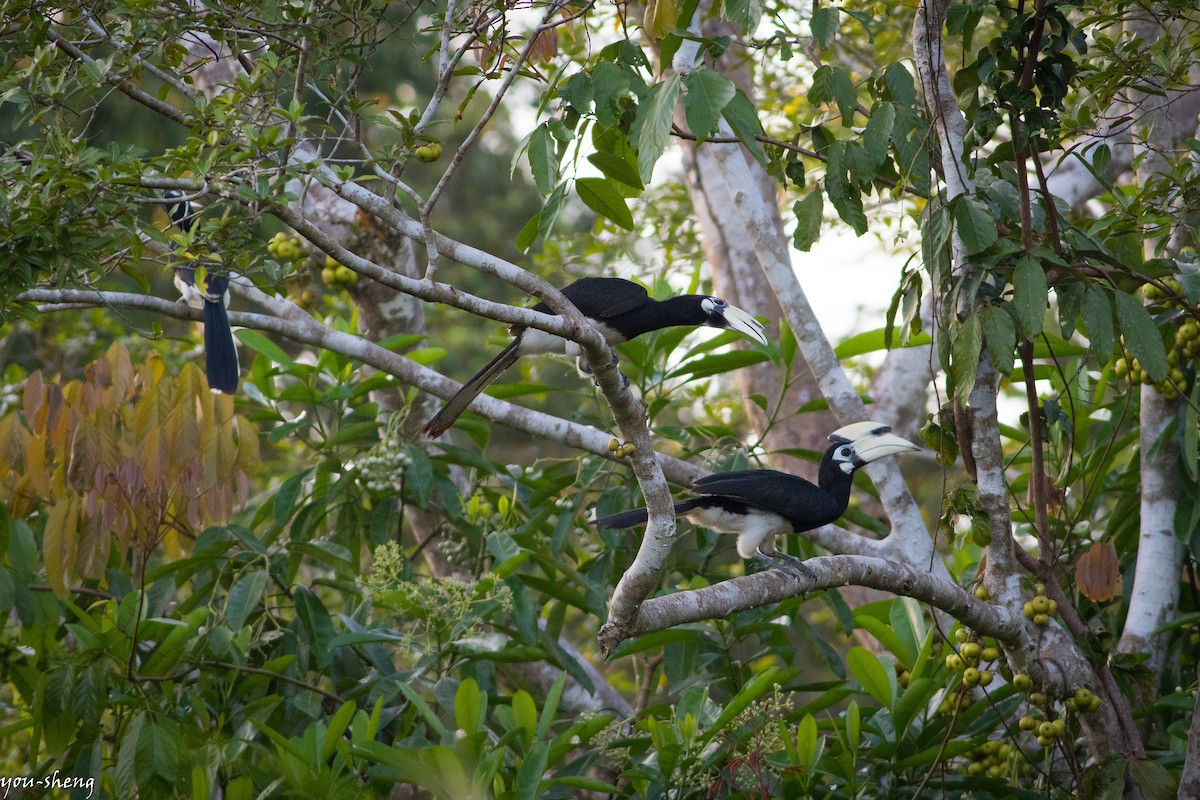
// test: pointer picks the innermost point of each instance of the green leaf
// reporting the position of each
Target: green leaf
(809, 212)
(964, 356)
(619, 169)
(873, 341)
(1030, 295)
(524, 712)
(743, 118)
(707, 95)
(744, 13)
(601, 196)
(719, 363)
(975, 223)
(244, 596)
(1141, 336)
(900, 85)
(653, 125)
(337, 726)
(1098, 320)
(470, 706)
(866, 669)
(264, 346)
(877, 136)
(833, 84)
(824, 25)
(543, 161)
(610, 85)
(1000, 333)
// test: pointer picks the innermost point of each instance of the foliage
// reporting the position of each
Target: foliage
(236, 585)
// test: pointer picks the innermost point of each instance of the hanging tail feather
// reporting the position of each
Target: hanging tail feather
(220, 352)
(457, 404)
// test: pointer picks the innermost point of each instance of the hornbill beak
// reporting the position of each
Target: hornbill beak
(742, 322)
(876, 446)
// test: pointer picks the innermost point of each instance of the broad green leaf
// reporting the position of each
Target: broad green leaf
(833, 85)
(964, 358)
(877, 136)
(866, 669)
(1030, 295)
(914, 698)
(1141, 335)
(543, 162)
(975, 223)
(529, 774)
(807, 744)
(337, 726)
(1000, 334)
(1098, 320)
(619, 169)
(743, 118)
(525, 716)
(808, 213)
(843, 194)
(744, 13)
(707, 95)
(824, 25)
(900, 85)
(244, 595)
(601, 196)
(873, 341)
(264, 346)
(610, 85)
(653, 125)
(470, 706)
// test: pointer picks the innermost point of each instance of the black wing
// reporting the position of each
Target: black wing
(799, 501)
(602, 298)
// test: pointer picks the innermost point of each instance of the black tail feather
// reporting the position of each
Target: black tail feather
(639, 516)
(220, 352)
(457, 404)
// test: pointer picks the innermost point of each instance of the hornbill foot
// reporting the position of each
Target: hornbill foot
(585, 369)
(790, 564)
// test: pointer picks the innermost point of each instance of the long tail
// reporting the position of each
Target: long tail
(639, 516)
(220, 352)
(457, 404)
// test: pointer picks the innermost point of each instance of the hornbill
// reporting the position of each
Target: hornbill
(202, 289)
(620, 310)
(756, 504)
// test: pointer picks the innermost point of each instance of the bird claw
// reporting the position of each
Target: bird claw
(790, 564)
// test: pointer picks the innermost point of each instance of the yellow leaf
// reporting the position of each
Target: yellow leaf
(59, 543)
(661, 18)
(35, 465)
(34, 396)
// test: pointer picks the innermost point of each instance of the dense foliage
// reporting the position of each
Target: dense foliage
(290, 593)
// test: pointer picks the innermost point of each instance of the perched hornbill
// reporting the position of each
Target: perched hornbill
(202, 289)
(756, 504)
(620, 310)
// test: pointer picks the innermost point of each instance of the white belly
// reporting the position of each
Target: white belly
(754, 531)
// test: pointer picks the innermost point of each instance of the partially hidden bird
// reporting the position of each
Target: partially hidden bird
(757, 504)
(620, 310)
(201, 288)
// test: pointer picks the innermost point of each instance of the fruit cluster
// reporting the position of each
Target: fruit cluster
(428, 152)
(621, 449)
(383, 467)
(286, 248)
(1176, 377)
(338, 276)
(1041, 608)
(996, 759)
(970, 656)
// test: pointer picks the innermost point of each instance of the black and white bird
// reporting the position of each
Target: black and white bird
(757, 504)
(620, 310)
(203, 289)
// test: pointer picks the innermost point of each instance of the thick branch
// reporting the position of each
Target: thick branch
(752, 591)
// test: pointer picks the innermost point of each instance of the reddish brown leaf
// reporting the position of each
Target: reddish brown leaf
(34, 397)
(1097, 573)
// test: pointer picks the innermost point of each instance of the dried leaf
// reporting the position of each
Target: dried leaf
(545, 45)
(34, 396)
(1097, 573)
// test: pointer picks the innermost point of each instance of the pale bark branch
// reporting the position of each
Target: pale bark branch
(753, 591)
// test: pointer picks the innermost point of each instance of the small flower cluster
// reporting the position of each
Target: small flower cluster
(383, 467)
